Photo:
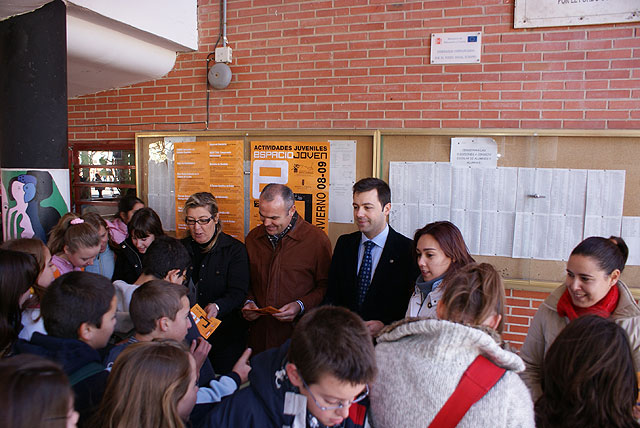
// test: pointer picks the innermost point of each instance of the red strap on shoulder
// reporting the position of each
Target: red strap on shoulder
(357, 413)
(476, 381)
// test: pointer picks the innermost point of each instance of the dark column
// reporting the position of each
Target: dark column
(33, 121)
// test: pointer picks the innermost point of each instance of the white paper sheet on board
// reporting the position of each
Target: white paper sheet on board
(475, 152)
(605, 198)
(566, 213)
(550, 212)
(631, 235)
(342, 177)
(423, 188)
(405, 218)
(498, 211)
(466, 204)
(532, 212)
(397, 180)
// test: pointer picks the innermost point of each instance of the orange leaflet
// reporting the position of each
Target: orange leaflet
(205, 325)
(269, 310)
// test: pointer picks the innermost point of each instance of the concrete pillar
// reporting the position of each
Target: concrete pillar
(33, 121)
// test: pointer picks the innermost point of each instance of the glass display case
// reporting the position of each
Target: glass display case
(100, 174)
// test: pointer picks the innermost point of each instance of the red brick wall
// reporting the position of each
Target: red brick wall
(365, 64)
(521, 307)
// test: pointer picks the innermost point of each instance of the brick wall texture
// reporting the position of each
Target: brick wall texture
(355, 64)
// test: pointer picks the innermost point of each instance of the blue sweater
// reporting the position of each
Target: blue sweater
(103, 264)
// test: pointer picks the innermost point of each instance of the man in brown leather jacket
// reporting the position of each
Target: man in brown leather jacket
(289, 261)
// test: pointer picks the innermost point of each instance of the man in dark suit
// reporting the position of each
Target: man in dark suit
(373, 270)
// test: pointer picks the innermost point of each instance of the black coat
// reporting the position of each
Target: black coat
(72, 355)
(392, 283)
(128, 267)
(223, 279)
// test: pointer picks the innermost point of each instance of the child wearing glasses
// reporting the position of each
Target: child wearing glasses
(452, 371)
(319, 378)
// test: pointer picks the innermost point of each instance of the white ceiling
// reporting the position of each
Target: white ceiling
(115, 43)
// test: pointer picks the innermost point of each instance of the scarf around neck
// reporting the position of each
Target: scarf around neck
(274, 239)
(427, 287)
(603, 308)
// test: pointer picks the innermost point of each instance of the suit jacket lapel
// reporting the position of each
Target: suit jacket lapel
(384, 263)
(354, 247)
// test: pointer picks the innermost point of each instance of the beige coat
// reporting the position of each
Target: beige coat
(547, 324)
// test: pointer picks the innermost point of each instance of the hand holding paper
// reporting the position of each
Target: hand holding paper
(205, 325)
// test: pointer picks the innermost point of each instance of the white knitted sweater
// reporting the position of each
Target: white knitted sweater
(420, 363)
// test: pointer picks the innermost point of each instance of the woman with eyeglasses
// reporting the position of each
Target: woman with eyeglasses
(219, 278)
(428, 368)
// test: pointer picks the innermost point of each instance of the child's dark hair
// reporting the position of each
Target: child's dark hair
(153, 300)
(126, 204)
(450, 240)
(18, 272)
(473, 294)
(73, 232)
(37, 249)
(588, 377)
(73, 299)
(333, 340)
(143, 223)
(34, 392)
(610, 254)
(163, 255)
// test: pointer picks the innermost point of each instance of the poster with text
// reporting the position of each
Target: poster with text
(304, 167)
(215, 167)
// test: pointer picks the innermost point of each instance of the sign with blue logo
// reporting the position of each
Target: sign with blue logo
(456, 48)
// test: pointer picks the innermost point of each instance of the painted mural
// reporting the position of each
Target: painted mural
(33, 201)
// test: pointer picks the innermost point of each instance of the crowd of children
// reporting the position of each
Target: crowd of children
(96, 328)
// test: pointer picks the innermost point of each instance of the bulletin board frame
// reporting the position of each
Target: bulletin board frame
(367, 142)
(608, 149)
(376, 148)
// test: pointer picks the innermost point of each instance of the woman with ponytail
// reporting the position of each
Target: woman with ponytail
(74, 244)
(453, 371)
(592, 287)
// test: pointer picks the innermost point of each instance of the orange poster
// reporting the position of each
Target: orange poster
(304, 167)
(226, 159)
(192, 175)
(216, 167)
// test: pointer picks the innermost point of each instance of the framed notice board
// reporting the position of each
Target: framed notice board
(157, 169)
(546, 191)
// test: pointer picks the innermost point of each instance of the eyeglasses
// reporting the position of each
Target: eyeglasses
(341, 404)
(200, 221)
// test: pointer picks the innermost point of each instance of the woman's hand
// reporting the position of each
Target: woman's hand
(211, 310)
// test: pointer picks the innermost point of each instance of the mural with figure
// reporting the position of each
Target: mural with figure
(33, 201)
